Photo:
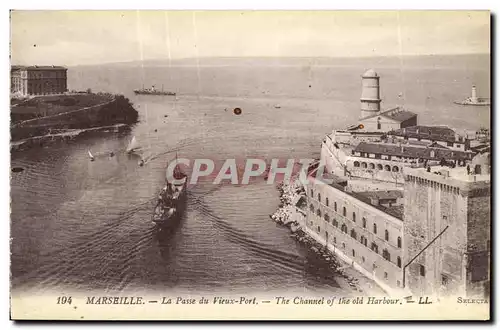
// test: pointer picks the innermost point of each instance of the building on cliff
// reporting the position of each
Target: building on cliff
(38, 80)
(365, 212)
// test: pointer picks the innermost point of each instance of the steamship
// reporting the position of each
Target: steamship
(171, 201)
(153, 91)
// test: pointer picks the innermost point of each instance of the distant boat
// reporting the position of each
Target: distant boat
(91, 156)
(153, 91)
(132, 145)
(277, 106)
(474, 100)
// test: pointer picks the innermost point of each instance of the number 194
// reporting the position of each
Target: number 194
(64, 300)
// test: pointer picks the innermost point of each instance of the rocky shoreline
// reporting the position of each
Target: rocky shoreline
(60, 116)
(350, 278)
(63, 135)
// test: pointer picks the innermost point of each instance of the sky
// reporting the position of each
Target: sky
(93, 37)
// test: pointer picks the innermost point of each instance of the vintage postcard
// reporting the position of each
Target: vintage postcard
(250, 165)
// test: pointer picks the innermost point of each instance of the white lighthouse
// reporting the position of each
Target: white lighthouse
(473, 97)
(370, 94)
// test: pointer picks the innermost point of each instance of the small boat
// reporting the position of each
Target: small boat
(92, 158)
(277, 106)
(132, 145)
(474, 100)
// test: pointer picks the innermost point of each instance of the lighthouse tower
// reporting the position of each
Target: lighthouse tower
(370, 95)
(473, 97)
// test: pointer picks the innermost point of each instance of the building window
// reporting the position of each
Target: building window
(327, 218)
(364, 223)
(354, 216)
(380, 167)
(344, 228)
(364, 165)
(363, 258)
(395, 169)
(386, 235)
(387, 168)
(371, 166)
(399, 242)
(311, 207)
(386, 255)
(312, 193)
(356, 164)
(319, 229)
(422, 270)
(335, 206)
(374, 247)
(399, 262)
(335, 223)
(449, 144)
(334, 240)
(319, 197)
(326, 237)
(374, 228)
(318, 213)
(398, 283)
(445, 220)
(344, 212)
(353, 253)
(353, 234)
(343, 245)
(445, 280)
(386, 275)
(327, 201)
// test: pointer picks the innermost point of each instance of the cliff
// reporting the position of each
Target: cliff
(42, 115)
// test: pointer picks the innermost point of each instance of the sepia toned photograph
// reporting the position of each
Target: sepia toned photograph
(250, 165)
